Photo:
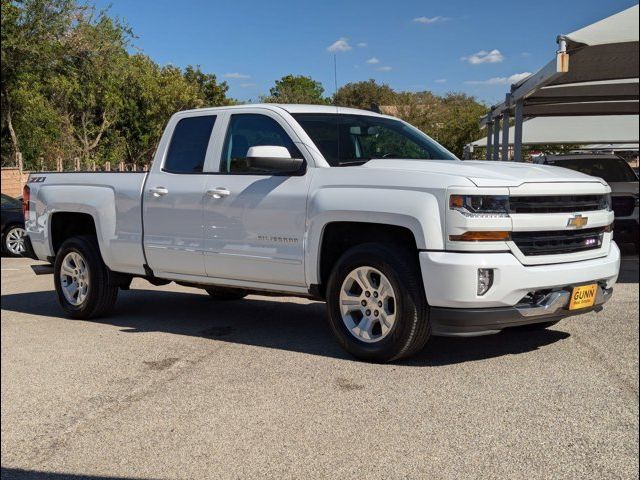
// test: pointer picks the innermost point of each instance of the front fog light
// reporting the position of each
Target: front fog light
(485, 280)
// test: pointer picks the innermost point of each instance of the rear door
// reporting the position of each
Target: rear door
(173, 197)
(255, 221)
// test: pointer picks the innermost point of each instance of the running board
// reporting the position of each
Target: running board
(42, 269)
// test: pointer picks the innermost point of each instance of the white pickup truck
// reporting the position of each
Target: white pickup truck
(401, 238)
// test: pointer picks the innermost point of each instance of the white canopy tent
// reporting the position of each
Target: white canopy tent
(609, 129)
(595, 72)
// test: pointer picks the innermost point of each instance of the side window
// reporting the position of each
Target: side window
(189, 145)
(249, 130)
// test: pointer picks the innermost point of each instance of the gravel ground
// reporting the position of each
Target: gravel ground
(175, 385)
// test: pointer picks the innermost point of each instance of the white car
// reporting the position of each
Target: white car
(401, 238)
(623, 182)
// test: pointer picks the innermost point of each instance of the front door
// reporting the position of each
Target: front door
(173, 200)
(255, 221)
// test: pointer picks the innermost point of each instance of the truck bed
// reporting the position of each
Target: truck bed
(113, 199)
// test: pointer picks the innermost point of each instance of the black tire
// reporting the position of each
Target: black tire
(226, 293)
(537, 326)
(102, 292)
(412, 327)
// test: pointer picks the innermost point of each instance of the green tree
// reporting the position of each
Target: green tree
(366, 94)
(212, 93)
(296, 89)
(70, 87)
(453, 120)
(32, 33)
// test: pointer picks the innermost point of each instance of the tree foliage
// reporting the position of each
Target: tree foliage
(366, 94)
(452, 119)
(72, 89)
(296, 89)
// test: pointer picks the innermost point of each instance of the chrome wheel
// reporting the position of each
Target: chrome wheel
(368, 304)
(14, 241)
(74, 278)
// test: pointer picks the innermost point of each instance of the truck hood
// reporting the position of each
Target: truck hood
(488, 174)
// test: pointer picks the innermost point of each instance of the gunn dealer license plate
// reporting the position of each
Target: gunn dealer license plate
(583, 297)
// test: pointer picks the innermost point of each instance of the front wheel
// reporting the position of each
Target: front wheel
(84, 284)
(376, 303)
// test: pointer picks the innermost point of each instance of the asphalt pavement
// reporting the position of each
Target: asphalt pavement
(175, 385)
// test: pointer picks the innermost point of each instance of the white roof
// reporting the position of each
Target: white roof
(598, 74)
(292, 108)
(619, 28)
(300, 108)
(579, 130)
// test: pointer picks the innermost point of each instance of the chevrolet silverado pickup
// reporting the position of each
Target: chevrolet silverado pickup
(399, 237)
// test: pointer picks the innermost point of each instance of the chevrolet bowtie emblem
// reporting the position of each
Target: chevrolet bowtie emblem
(577, 221)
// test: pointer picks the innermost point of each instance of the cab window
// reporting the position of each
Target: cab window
(189, 143)
(248, 130)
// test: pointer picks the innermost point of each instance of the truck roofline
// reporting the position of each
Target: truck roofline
(289, 108)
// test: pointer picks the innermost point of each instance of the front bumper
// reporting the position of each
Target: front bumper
(450, 278)
(484, 321)
(450, 281)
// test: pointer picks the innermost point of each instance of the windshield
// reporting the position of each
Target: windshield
(346, 140)
(609, 169)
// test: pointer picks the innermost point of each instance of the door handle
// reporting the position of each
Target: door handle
(218, 192)
(158, 191)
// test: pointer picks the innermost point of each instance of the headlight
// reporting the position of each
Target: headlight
(480, 205)
(605, 202)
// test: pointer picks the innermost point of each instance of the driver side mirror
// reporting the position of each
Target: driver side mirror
(273, 158)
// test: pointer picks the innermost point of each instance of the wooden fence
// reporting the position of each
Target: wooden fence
(14, 178)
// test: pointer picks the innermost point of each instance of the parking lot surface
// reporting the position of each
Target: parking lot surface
(176, 385)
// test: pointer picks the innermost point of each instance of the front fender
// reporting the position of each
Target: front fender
(415, 210)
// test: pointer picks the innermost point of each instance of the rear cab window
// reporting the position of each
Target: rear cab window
(189, 143)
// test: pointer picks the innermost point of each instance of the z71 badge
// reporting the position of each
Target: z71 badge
(36, 179)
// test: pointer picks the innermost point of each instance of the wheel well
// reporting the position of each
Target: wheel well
(68, 224)
(338, 237)
(11, 224)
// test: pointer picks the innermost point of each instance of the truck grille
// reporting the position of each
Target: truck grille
(558, 242)
(623, 206)
(556, 203)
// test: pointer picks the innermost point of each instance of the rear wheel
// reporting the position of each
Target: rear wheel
(84, 284)
(226, 293)
(376, 303)
(14, 240)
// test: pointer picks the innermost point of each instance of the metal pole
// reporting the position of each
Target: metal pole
(517, 132)
(496, 139)
(505, 129)
(489, 135)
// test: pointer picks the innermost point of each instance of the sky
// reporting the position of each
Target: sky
(475, 47)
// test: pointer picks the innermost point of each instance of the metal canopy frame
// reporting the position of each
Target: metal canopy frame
(600, 79)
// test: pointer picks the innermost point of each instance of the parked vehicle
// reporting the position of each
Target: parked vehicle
(400, 238)
(12, 226)
(622, 180)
